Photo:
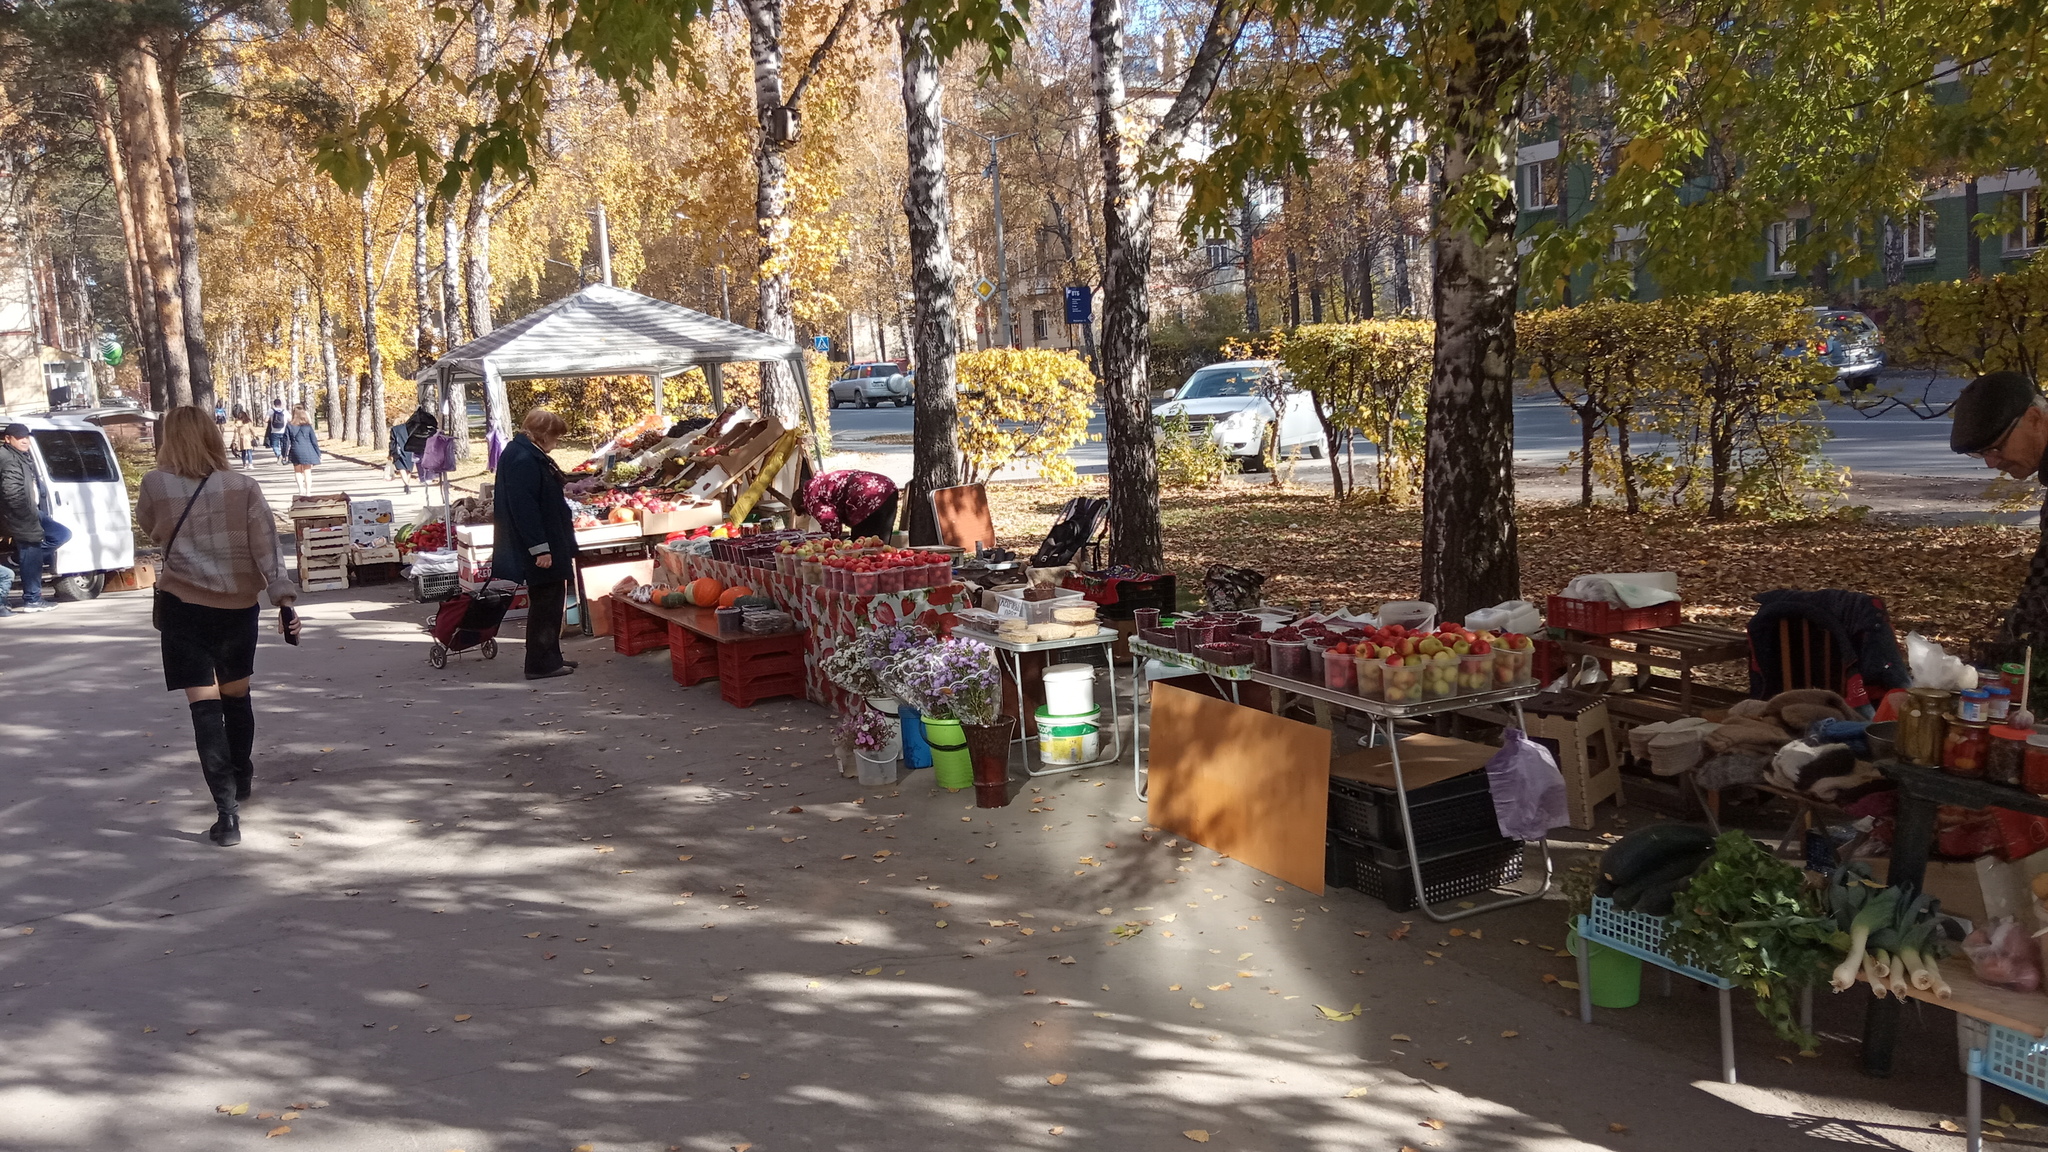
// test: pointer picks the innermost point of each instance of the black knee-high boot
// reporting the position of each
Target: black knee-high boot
(210, 735)
(240, 714)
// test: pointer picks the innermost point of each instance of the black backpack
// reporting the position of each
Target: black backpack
(277, 420)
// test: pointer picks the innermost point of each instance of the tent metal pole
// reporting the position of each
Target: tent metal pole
(714, 375)
(803, 389)
(660, 407)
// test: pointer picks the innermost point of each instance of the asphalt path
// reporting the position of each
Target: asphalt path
(1893, 443)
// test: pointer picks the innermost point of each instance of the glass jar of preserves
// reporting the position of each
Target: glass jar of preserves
(2035, 777)
(2006, 762)
(1922, 725)
(1964, 751)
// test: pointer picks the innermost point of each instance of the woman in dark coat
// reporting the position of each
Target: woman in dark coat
(301, 450)
(535, 538)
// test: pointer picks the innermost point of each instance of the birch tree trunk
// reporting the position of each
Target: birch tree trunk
(1128, 199)
(779, 397)
(935, 450)
(330, 370)
(146, 187)
(186, 222)
(455, 421)
(370, 414)
(141, 304)
(1469, 551)
(426, 337)
(1404, 285)
(476, 223)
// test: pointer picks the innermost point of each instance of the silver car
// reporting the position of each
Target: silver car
(869, 385)
(1850, 344)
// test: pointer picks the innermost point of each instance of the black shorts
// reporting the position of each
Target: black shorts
(204, 646)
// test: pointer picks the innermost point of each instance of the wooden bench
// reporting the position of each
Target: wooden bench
(1680, 648)
(748, 668)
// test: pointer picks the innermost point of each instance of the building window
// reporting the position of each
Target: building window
(1039, 333)
(2032, 231)
(1920, 236)
(1539, 185)
(1779, 241)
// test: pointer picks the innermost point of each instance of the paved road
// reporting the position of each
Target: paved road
(1545, 435)
(477, 913)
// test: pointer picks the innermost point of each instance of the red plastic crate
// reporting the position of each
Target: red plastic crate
(745, 693)
(634, 631)
(692, 659)
(1548, 663)
(1598, 616)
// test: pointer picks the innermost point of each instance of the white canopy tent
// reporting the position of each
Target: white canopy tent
(602, 330)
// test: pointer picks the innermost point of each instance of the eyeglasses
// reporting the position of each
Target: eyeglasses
(1998, 445)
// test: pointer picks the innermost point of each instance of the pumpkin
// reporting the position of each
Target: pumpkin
(732, 595)
(673, 599)
(702, 592)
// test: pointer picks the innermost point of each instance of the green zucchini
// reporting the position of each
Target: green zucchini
(1652, 892)
(1640, 851)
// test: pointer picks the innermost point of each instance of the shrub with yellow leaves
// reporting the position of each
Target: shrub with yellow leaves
(1023, 406)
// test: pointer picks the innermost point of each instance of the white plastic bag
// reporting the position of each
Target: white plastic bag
(1510, 616)
(1414, 615)
(1528, 790)
(1934, 668)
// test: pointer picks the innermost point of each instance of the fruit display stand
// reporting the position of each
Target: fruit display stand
(1012, 653)
(827, 618)
(749, 668)
(1382, 718)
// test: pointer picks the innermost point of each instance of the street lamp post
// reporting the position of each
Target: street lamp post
(995, 175)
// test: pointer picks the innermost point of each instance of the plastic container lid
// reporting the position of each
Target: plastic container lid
(1078, 722)
(1998, 690)
(1070, 672)
(2007, 732)
(2038, 739)
(1975, 694)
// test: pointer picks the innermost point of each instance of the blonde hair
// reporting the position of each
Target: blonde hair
(542, 424)
(189, 444)
(299, 416)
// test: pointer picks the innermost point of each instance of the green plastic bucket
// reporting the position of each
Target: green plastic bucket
(952, 766)
(1615, 979)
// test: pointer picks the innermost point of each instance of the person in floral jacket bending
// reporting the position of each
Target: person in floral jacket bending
(863, 502)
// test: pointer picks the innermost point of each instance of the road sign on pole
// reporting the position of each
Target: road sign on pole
(821, 343)
(985, 288)
(1080, 304)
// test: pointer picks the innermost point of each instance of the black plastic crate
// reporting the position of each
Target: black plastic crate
(1469, 866)
(439, 586)
(1447, 810)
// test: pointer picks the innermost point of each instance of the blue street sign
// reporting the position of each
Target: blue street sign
(821, 343)
(1080, 304)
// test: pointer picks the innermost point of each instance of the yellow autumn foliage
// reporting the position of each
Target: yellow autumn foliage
(1023, 406)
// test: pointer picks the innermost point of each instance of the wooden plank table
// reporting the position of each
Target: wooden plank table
(1681, 648)
(748, 667)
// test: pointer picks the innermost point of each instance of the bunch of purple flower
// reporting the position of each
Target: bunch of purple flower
(865, 729)
(859, 665)
(949, 680)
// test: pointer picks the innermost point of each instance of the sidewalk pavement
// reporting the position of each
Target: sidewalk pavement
(603, 912)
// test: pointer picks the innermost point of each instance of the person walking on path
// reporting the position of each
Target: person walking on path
(302, 448)
(535, 538)
(273, 430)
(220, 550)
(242, 436)
(25, 514)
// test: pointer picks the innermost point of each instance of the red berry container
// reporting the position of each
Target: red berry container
(867, 583)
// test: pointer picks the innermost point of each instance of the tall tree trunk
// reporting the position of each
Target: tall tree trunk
(1397, 239)
(186, 223)
(1973, 244)
(1315, 304)
(1128, 199)
(370, 414)
(141, 303)
(1247, 233)
(779, 397)
(455, 419)
(330, 371)
(476, 223)
(1893, 258)
(1470, 557)
(146, 167)
(295, 386)
(927, 208)
(426, 339)
(1293, 290)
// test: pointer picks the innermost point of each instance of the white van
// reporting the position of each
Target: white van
(88, 496)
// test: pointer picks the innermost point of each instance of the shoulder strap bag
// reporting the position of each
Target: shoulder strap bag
(156, 604)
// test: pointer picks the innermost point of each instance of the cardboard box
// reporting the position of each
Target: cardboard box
(388, 554)
(143, 575)
(1425, 760)
(475, 535)
(597, 580)
(470, 571)
(682, 520)
(1980, 890)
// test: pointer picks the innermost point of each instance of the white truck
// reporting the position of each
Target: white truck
(87, 495)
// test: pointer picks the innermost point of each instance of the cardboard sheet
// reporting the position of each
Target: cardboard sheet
(1241, 782)
(964, 517)
(1425, 760)
(596, 581)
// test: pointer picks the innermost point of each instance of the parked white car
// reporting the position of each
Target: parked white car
(1221, 399)
(87, 495)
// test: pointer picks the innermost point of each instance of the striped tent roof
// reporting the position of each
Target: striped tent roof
(607, 331)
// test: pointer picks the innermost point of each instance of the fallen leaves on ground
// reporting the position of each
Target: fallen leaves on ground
(1329, 1013)
(1355, 1093)
(233, 1109)
(1198, 1135)
(280, 1130)
(1433, 1123)
(1617, 1126)
(1056, 1079)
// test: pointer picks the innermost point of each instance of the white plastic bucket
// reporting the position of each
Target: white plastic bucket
(881, 765)
(1069, 739)
(1069, 689)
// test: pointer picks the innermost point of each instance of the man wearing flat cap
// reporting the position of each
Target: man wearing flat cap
(2001, 419)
